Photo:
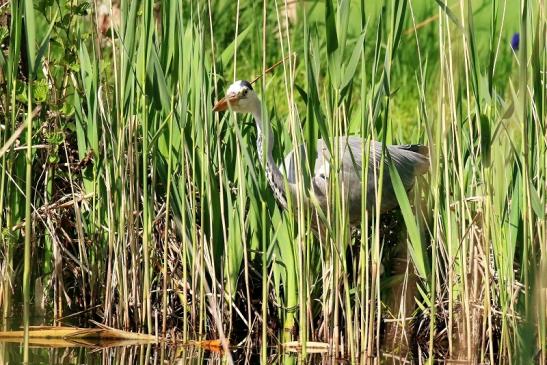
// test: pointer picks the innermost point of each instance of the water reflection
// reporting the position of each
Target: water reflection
(93, 351)
(12, 353)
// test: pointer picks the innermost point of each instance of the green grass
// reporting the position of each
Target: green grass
(146, 211)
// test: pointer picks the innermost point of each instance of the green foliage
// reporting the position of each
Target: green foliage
(144, 204)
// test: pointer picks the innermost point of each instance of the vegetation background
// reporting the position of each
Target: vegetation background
(125, 200)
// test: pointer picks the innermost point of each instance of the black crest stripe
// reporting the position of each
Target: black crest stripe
(247, 84)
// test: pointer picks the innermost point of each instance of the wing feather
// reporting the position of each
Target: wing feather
(410, 160)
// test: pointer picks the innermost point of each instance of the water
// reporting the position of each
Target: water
(12, 353)
(95, 351)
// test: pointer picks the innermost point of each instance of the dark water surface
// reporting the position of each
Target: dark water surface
(85, 351)
(12, 353)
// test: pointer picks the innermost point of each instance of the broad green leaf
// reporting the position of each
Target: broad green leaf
(161, 90)
(537, 204)
(353, 61)
(450, 14)
(330, 29)
(228, 53)
(417, 249)
(30, 30)
(485, 136)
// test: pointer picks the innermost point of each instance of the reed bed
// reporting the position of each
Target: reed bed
(124, 199)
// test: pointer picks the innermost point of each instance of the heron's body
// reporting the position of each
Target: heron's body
(409, 161)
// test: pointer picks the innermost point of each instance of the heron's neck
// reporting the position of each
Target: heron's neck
(265, 143)
(265, 135)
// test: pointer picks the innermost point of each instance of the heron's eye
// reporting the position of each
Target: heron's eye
(244, 92)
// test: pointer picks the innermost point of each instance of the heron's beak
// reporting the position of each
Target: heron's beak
(225, 103)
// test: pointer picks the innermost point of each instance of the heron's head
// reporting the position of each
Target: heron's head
(240, 97)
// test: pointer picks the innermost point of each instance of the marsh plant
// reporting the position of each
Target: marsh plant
(126, 200)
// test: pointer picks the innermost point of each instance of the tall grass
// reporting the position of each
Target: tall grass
(152, 214)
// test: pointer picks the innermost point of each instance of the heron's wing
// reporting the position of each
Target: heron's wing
(320, 169)
(409, 161)
(289, 166)
(351, 159)
(350, 156)
(408, 157)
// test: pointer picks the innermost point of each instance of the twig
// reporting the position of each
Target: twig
(272, 67)
(57, 205)
(18, 132)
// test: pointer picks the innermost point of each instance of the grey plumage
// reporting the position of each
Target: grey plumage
(409, 161)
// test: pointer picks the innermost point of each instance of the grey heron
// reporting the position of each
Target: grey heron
(410, 161)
